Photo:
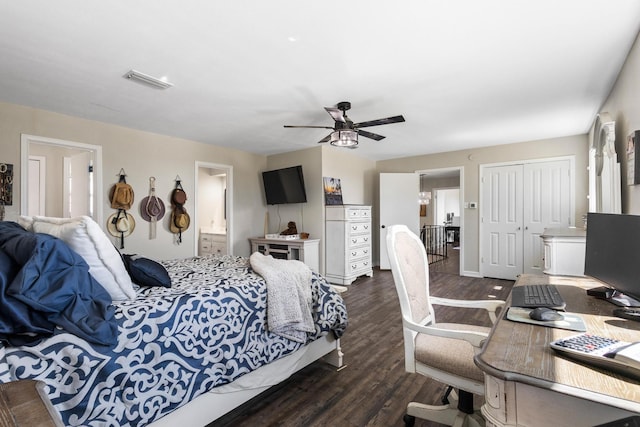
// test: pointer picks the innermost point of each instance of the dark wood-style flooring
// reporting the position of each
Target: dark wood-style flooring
(374, 389)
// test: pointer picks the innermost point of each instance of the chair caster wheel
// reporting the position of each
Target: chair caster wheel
(409, 420)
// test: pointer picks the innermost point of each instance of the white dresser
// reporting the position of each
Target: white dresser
(348, 243)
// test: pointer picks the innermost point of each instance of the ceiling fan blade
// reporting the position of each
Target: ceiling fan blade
(309, 127)
(338, 115)
(387, 121)
(370, 135)
(325, 139)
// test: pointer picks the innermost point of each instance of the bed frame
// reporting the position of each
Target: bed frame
(210, 406)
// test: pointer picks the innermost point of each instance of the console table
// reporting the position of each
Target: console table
(564, 250)
(305, 250)
(529, 384)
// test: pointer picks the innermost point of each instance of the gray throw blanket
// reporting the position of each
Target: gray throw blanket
(288, 295)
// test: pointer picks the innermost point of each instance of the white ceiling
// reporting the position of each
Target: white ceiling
(464, 73)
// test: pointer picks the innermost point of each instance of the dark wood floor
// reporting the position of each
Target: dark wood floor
(374, 389)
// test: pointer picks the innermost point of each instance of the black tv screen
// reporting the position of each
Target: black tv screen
(613, 253)
(284, 186)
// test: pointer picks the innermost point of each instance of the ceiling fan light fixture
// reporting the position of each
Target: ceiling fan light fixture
(147, 79)
(344, 138)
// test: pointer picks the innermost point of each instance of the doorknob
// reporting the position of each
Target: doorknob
(382, 226)
(518, 229)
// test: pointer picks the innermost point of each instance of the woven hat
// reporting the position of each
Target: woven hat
(180, 221)
(152, 206)
(121, 225)
(178, 196)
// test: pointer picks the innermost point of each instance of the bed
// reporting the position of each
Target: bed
(185, 354)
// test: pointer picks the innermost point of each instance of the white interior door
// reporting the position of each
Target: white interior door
(37, 188)
(502, 222)
(398, 205)
(547, 204)
(76, 189)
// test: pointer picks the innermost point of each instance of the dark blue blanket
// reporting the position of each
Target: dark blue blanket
(44, 284)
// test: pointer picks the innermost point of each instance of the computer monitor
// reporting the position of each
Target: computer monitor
(613, 257)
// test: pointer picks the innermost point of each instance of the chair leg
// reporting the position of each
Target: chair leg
(445, 397)
(459, 412)
(409, 420)
(465, 402)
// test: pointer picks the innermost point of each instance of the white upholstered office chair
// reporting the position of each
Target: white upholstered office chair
(442, 351)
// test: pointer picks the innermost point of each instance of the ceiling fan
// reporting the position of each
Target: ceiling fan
(345, 132)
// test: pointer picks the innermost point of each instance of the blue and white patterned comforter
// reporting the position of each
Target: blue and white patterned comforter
(174, 344)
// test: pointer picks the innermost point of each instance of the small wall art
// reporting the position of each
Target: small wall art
(6, 184)
(332, 191)
(633, 158)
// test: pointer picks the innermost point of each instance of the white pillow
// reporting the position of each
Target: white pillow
(85, 236)
(26, 222)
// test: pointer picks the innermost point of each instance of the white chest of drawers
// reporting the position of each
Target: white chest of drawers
(348, 243)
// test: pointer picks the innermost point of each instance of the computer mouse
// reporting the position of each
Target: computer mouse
(545, 314)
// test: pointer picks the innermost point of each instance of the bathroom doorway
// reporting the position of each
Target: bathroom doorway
(214, 209)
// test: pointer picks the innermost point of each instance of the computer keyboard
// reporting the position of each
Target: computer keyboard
(540, 295)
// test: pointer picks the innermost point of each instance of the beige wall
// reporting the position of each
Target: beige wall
(307, 216)
(623, 105)
(143, 154)
(470, 161)
(356, 176)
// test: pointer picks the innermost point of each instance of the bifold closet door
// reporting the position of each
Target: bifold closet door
(547, 204)
(518, 202)
(501, 222)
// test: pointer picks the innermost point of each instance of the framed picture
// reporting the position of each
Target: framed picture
(6, 184)
(633, 158)
(332, 191)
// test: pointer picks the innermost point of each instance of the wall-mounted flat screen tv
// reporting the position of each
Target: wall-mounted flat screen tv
(284, 186)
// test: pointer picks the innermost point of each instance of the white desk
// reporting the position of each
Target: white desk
(528, 384)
